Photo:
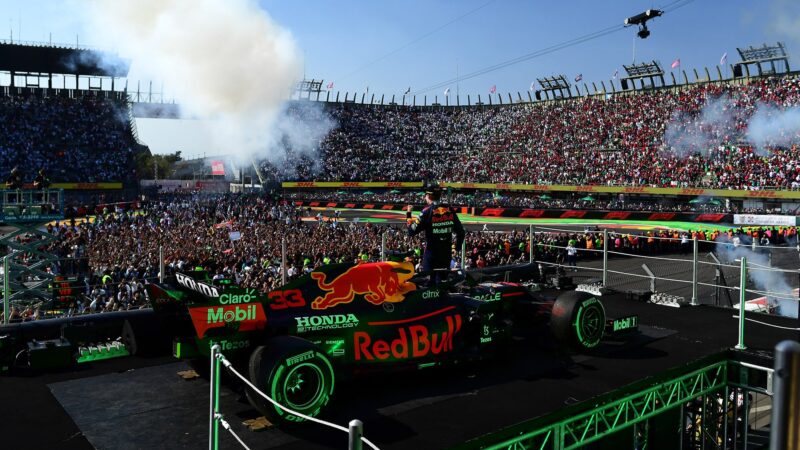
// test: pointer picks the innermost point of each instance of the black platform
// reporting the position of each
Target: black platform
(142, 403)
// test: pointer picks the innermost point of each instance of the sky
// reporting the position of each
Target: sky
(391, 46)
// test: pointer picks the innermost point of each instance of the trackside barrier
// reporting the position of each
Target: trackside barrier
(720, 405)
(766, 281)
(215, 418)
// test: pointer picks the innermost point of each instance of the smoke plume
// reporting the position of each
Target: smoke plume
(720, 122)
(774, 127)
(764, 280)
(225, 61)
(688, 133)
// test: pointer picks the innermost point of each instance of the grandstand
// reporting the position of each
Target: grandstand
(64, 111)
(616, 140)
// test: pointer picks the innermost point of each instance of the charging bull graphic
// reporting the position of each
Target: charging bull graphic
(378, 282)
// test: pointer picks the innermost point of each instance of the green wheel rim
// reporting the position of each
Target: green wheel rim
(590, 324)
(302, 386)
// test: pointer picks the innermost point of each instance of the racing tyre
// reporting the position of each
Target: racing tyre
(293, 372)
(578, 319)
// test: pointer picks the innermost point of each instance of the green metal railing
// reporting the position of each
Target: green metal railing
(584, 428)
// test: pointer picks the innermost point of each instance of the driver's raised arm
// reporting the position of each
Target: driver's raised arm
(416, 225)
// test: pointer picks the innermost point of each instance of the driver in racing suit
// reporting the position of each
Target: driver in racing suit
(439, 223)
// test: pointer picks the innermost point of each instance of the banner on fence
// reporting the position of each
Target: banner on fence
(351, 184)
(600, 189)
(542, 213)
(764, 219)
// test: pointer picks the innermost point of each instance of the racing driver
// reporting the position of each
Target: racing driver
(439, 223)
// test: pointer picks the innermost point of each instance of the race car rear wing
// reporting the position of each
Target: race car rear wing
(195, 288)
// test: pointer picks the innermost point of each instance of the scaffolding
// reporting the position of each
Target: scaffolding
(27, 265)
(719, 402)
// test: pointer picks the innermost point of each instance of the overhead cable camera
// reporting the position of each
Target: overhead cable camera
(641, 20)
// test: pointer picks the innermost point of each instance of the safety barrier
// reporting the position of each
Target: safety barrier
(714, 404)
(668, 271)
(355, 430)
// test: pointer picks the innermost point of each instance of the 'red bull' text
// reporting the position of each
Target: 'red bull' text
(414, 341)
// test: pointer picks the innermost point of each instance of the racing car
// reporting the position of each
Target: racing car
(345, 319)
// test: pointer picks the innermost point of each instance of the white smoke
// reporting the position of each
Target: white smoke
(688, 133)
(720, 122)
(226, 62)
(774, 127)
(297, 133)
(765, 280)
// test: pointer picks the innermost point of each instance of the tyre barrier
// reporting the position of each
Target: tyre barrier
(218, 360)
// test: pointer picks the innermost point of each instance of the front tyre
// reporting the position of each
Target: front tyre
(293, 372)
(578, 319)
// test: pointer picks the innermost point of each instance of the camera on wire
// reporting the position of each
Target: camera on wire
(641, 20)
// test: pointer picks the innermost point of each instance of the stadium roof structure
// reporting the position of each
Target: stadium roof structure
(555, 84)
(760, 56)
(30, 58)
(651, 71)
(308, 87)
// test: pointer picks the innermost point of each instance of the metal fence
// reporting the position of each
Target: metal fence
(677, 270)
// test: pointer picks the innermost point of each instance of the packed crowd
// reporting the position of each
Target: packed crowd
(693, 136)
(240, 236)
(85, 139)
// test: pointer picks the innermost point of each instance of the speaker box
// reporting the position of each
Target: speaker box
(639, 296)
(50, 354)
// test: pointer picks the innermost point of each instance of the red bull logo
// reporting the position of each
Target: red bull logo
(378, 282)
(413, 341)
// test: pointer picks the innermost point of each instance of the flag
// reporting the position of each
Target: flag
(724, 59)
(676, 63)
(235, 235)
(408, 91)
(578, 77)
(330, 85)
(531, 88)
(493, 89)
(614, 77)
(447, 92)
(217, 168)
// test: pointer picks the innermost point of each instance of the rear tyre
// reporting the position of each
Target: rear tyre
(293, 372)
(578, 319)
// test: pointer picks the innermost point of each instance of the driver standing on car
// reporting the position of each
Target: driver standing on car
(439, 223)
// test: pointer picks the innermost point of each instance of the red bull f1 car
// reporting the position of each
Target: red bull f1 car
(343, 319)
